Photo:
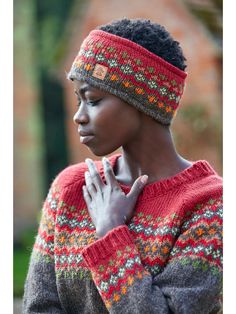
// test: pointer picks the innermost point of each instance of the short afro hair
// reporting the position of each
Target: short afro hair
(149, 35)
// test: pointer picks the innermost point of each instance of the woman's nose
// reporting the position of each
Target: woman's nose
(81, 116)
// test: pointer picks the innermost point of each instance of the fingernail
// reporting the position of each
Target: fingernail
(106, 161)
(144, 179)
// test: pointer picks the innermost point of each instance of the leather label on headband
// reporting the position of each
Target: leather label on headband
(100, 71)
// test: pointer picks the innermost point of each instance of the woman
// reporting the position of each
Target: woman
(139, 232)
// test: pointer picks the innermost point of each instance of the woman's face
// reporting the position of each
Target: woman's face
(105, 122)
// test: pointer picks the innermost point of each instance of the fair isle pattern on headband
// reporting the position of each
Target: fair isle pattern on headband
(129, 71)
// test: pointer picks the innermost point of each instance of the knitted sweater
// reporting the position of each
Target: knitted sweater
(166, 260)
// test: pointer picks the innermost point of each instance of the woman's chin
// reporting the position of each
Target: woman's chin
(99, 151)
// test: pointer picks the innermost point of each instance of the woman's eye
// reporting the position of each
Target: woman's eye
(94, 102)
(88, 102)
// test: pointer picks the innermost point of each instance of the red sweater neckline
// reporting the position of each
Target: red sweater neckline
(197, 170)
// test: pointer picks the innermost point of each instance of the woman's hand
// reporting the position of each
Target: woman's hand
(108, 205)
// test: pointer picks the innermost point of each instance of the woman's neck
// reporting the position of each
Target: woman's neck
(152, 153)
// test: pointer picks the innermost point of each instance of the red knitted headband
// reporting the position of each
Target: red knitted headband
(131, 72)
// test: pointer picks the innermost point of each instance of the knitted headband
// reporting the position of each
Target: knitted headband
(131, 72)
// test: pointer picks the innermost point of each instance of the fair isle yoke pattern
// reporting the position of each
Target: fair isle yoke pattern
(169, 244)
(131, 72)
(199, 245)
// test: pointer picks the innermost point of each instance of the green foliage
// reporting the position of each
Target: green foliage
(219, 4)
(210, 14)
(198, 127)
(196, 116)
(21, 259)
(200, 121)
(49, 29)
(51, 23)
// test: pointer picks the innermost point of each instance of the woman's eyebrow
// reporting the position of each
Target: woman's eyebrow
(84, 89)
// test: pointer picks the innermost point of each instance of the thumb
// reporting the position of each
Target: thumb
(137, 187)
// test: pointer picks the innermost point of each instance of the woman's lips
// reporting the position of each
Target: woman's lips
(85, 136)
(85, 139)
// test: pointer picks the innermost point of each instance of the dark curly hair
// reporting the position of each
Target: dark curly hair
(149, 35)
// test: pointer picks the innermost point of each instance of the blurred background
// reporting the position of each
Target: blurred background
(47, 36)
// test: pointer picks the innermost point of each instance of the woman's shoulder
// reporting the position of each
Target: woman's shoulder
(71, 174)
(206, 178)
(205, 185)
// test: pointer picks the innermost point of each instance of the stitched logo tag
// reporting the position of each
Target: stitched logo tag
(100, 71)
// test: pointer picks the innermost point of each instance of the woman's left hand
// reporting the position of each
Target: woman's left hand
(108, 205)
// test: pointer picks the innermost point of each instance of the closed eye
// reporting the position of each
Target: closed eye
(94, 102)
(91, 102)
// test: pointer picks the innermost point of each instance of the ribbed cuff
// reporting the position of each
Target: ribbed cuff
(107, 245)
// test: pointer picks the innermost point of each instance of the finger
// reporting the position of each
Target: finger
(88, 200)
(109, 174)
(94, 174)
(137, 187)
(89, 185)
(86, 196)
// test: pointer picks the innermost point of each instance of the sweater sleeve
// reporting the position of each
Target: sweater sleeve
(190, 282)
(40, 293)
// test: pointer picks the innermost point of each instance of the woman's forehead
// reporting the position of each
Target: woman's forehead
(83, 87)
